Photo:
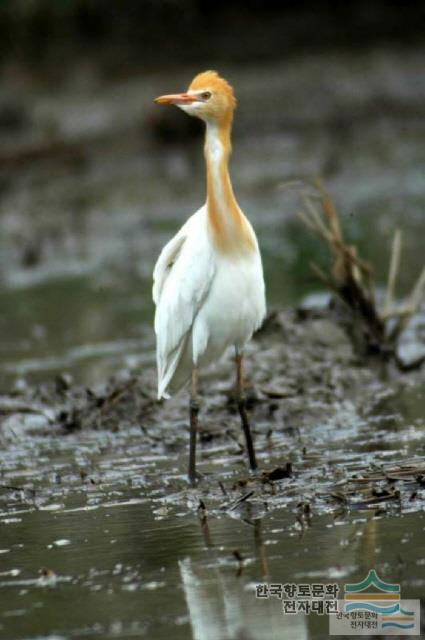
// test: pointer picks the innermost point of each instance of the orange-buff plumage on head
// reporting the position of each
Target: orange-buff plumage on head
(222, 102)
(211, 81)
(208, 97)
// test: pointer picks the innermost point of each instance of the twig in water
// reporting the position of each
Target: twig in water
(393, 272)
(240, 500)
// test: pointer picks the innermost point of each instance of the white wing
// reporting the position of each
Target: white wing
(182, 279)
(165, 263)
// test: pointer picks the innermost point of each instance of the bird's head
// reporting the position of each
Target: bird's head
(208, 97)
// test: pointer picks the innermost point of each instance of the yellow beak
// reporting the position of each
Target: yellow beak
(176, 98)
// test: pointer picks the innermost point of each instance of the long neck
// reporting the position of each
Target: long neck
(227, 223)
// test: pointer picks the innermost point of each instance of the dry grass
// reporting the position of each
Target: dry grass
(374, 331)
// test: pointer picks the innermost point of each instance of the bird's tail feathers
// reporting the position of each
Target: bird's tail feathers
(173, 371)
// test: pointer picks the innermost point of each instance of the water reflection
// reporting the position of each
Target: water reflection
(128, 542)
(220, 605)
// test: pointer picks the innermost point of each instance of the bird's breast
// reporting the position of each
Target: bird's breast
(234, 307)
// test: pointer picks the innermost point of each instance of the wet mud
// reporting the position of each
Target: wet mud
(94, 497)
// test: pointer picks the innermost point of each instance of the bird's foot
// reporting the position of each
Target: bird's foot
(255, 473)
(194, 477)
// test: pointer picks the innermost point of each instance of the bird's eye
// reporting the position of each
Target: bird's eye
(206, 95)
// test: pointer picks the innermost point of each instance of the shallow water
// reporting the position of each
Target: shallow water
(118, 526)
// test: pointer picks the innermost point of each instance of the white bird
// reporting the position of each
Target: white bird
(208, 281)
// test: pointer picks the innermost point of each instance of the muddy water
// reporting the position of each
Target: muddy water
(109, 517)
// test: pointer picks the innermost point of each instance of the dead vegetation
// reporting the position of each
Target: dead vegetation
(374, 329)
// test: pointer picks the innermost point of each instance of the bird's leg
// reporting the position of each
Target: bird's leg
(241, 400)
(194, 410)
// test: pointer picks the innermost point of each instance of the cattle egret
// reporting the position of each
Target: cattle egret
(208, 281)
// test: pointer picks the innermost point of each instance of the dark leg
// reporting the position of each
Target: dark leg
(194, 410)
(241, 400)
